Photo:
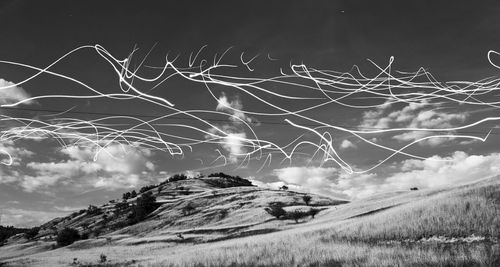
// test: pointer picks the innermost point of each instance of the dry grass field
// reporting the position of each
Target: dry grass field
(456, 226)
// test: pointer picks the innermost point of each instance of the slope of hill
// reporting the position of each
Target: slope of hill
(455, 226)
(196, 210)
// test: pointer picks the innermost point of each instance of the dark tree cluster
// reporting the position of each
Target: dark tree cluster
(93, 210)
(146, 188)
(8, 231)
(276, 209)
(227, 181)
(129, 195)
(145, 204)
(67, 236)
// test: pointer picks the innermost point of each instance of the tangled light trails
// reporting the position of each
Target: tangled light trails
(310, 89)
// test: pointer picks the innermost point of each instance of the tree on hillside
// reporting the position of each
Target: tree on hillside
(283, 187)
(307, 199)
(133, 194)
(126, 195)
(93, 210)
(145, 204)
(275, 209)
(297, 215)
(32, 233)
(67, 236)
(313, 212)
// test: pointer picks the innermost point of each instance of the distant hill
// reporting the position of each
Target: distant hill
(200, 209)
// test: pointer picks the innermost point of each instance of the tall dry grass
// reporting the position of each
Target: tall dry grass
(457, 214)
(309, 250)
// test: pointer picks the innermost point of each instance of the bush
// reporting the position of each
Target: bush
(188, 209)
(145, 204)
(31, 233)
(307, 199)
(176, 177)
(67, 237)
(284, 188)
(84, 236)
(121, 206)
(313, 212)
(93, 210)
(126, 196)
(276, 209)
(103, 258)
(8, 231)
(146, 188)
(297, 215)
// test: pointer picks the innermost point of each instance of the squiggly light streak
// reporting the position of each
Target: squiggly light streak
(334, 88)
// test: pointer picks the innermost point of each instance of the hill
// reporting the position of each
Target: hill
(450, 226)
(195, 210)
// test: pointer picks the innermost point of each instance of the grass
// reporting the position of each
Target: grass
(469, 211)
(309, 250)
(354, 234)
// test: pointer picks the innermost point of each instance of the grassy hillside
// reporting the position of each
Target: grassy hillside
(456, 226)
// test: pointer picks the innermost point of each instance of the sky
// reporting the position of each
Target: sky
(278, 57)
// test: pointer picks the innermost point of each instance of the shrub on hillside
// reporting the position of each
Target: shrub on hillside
(8, 231)
(121, 206)
(227, 181)
(93, 210)
(67, 236)
(313, 212)
(307, 199)
(31, 233)
(176, 177)
(126, 196)
(145, 204)
(188, 209)
(296, 215)
(146, 188)
(275, 209)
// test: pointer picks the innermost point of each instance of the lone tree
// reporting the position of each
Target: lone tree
(67, 237)
(276, 209)
(307, 199)
(283, 187)
(313, 212)
(297, 215)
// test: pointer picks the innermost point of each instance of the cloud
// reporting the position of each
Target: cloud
(310, 179)
(233, 107)
(413, 115)
(115, 167)
(234, 137)
(9, 93)
(113, 158)
(346, 144)
(32, 183)
(69, 209)
(28, 218)
(116, 181)
(434, 172)
(10, 150)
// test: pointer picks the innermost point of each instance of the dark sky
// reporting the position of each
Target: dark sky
(449, 37)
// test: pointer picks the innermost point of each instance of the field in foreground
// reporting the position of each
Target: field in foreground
(457, 226)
